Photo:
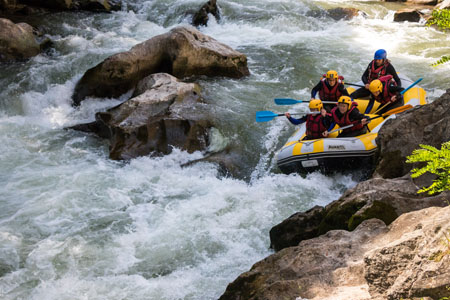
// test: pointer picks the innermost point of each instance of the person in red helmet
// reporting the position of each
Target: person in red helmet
(378, 67)
(330, 88)
(385, 91)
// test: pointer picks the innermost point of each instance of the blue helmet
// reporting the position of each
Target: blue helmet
(380, 54)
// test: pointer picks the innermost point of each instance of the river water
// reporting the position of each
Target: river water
(76, 225)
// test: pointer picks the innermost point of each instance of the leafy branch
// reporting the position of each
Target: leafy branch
(440, 18)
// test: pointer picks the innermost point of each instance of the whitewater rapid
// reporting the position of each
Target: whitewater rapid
(76, 225)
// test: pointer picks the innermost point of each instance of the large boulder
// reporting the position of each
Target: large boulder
(182, 52)
(17, 41)
(410, 258)
(163, 113)
(410, 15)
(201, 17)
(428, 124)
(384, 199)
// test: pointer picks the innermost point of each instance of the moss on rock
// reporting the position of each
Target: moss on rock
(378, 210)
(338, 216)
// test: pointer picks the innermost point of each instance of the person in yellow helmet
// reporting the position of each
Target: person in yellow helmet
(316, 124)
(385, 91)
(330, 88)
(347, 113)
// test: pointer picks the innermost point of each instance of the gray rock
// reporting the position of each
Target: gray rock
(160, 116)
(339, 13)
(17, 41)
(182, 52)
(410, 15)
(201, 17)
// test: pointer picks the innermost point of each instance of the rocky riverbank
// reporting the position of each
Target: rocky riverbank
(379, 240)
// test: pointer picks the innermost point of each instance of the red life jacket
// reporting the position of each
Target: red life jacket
(385, 96)
(314, 126)
(345, 120)
(376, 73)
(332, 94)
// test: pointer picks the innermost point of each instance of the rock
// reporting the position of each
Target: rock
(413, 259)
(339, 13)
(418, 2)
(91, 5)
(182, 52)
(384, 199)
(398, 137)
(407, 259)
(410, 15)
(17, 41)
(443, 5)
(162, 114)
(201, 17)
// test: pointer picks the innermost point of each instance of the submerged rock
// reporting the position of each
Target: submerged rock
(201, 17)
(410, 15)
(17, 41)
(182, 52)
(161, 115)
(92, 5)
(339, 13)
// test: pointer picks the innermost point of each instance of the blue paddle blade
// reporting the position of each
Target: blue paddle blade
(264, 116)
(286, 101)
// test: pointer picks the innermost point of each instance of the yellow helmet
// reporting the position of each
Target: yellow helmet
(345, 99)
(375, 86)
(316, 103)
(332, 74)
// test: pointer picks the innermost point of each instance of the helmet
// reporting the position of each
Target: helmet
(375, 86)
(345, 99)
(332, 74)
(316, 103)
(380, 54)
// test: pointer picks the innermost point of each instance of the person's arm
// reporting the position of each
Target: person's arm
(395, 89)
(315, 89)
(294, 120)
(355, 115)
(343, 90)
(391, 70)
(365, 75)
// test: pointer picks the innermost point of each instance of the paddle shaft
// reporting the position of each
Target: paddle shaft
(401, 93)
(354, 84)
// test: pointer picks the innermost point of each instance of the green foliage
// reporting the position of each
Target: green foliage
(440, 18)
(437, 162)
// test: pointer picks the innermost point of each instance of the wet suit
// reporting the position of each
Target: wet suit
(341, 89)
(355, 115)
(326, 122)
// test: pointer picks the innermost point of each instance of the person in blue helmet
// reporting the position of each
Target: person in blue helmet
(378, 67)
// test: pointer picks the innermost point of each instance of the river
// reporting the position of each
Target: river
(77, 225)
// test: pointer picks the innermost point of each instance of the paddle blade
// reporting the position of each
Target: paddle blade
(264, 116)
(287, 101)
(397, 110)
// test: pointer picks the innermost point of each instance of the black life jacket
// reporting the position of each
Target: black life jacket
(314, 126)
(345, 119)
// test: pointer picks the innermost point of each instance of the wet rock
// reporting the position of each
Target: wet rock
(91, 5)
(407, 259)
(410, 15)
(384, 199)
(182, 52)
(17, 41)
(428, 124)
(443, 5)
(339, 13)
(201, 17)
(162, 114)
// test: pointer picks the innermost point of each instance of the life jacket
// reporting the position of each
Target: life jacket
(314, 126)
(345, 119)
(332, 94)
(377, 72)
(385, 96)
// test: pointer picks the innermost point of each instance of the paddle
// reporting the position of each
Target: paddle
(388, 113)
(354, 84)
(401, 93)
(265, 115)
(289, 101)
